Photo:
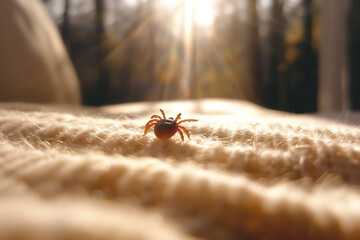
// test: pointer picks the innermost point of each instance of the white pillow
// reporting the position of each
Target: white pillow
(34, 65)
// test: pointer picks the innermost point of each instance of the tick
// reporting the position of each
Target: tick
(165, 128)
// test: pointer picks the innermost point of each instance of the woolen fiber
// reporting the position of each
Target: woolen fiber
(246, 173)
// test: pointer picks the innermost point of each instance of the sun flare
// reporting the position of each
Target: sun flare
(201, 11)
(204, 12)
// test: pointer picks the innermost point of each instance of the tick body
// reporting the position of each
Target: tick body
(165, 128)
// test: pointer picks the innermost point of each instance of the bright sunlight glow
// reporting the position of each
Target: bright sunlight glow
(204, 12)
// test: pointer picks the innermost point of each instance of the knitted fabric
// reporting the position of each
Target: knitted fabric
(246, 173)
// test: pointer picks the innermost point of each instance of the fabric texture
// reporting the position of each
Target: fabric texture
(246, 173)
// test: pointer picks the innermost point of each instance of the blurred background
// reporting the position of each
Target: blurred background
(292, 55)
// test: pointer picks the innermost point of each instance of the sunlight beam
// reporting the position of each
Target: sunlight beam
(188, 10)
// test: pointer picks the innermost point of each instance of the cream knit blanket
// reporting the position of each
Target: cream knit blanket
(246, 173)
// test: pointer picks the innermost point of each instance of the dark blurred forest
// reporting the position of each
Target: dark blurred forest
(264, 51)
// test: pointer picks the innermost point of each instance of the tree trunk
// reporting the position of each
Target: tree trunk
(303, 76)
(65, 27)
(102, 86)
(276, 91)
(253, 50)
(333, 82)
(354, 53)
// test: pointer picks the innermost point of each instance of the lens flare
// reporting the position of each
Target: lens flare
(204, 12)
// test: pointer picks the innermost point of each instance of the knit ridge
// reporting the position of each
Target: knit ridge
(243, 175)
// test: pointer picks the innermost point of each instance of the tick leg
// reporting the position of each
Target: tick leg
(156, 116)
(188, 120)
(162, 112)
(151, 121)
(185, 130)
(181, 134)
(148, 127)
(177, 117)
